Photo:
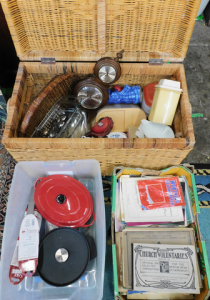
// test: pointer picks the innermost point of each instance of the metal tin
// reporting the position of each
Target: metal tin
(107, 69)
(91, 93)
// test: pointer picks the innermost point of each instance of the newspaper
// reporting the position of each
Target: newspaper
(165, 268)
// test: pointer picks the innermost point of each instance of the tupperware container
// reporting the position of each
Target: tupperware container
(165, 101)
(147, 97)
(90, 285)
(123, 116)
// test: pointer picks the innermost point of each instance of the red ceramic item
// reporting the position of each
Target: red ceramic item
(101, 126)
(63, 201)
(149, 91)
(118, 88)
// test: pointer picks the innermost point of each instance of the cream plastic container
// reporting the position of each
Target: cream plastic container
(123, 116)
(165, 101)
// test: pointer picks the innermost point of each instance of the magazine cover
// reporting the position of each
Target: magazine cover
(160, 193)
(165, 268)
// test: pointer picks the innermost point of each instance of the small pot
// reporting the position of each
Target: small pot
(64, 254)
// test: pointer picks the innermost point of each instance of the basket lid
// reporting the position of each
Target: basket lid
(88, 30)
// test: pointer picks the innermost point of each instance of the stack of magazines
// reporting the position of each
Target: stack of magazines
(152, 201)
(157, 260)
(156, 252)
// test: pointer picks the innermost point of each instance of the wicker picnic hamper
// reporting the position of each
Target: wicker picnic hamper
(59, 37)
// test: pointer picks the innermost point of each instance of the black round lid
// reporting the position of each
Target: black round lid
(63, 256)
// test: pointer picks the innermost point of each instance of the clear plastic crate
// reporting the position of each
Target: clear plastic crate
(90, 285)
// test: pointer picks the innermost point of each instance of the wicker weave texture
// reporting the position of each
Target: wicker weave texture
(87, 30)
(109, 158)
(147, 25)
(147, 153)
(58, 87)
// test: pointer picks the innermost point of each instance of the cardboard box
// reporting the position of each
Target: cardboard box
(204, 265)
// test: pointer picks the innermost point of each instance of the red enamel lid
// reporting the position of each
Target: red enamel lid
(63, 201)
(149, 91)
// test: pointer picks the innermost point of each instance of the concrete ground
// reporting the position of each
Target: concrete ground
(197, 68)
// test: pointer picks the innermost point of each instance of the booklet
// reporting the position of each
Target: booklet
(132, 210)
(160, 193)
(187, 210)
(165, 268)
(168, 236)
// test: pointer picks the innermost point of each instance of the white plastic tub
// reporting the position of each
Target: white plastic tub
(90, 285)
